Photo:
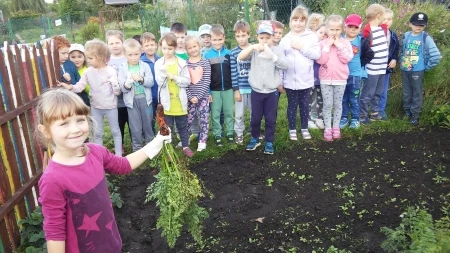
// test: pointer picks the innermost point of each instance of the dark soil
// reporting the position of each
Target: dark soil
(321, 194)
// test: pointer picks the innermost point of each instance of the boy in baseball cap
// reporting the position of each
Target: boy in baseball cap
(204, 32)
(362, 53)
(419, 53)
(266, 61)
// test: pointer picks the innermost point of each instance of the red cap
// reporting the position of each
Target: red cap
(353, 19)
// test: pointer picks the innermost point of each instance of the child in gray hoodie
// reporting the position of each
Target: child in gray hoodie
(264, 78)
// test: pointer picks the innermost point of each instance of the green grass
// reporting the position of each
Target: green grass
(282, 142)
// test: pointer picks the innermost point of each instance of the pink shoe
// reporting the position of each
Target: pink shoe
(336, 133)
(328, 135)
(188, 152)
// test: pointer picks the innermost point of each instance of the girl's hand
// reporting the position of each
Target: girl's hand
(66, 76)
(64, 85)
(296, 43)
(392, 64)
(170, 76)
(330, 41)
(194, 100)
(281, 89)
(210, 99)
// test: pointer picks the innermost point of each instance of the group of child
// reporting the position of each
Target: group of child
(320, 70)
(321, 65)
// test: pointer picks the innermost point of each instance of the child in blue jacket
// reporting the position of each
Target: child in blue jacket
(419, 53)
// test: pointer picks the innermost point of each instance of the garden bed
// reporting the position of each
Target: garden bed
(309, 198)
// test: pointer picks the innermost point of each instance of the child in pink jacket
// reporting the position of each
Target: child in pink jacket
(333, 74)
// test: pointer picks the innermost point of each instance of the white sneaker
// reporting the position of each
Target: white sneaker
(311, 125)
(319, 124)
(201, 146)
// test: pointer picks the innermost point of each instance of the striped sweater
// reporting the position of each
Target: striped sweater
(378, 65)
(239, 72)
(200, 73)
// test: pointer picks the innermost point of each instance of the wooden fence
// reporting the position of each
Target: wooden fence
(25, 72)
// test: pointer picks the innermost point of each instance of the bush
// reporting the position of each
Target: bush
(94, 20)
(90, 31)
(441, 116)
(418, 233)
(25, 14)
(32, 234)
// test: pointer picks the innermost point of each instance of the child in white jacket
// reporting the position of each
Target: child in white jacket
(301, 48)
(172, 76)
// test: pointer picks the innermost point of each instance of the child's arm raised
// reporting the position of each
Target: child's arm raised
(125, 80)
(79, 86)
(246, 53)
(325, 47)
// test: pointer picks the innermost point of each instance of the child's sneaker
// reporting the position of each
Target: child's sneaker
(253, 144)
(319, 123)
(230, 138)
(336, 132)
(239, 140)
(354, 124)
(193, 137)
(293, 135)
(414, 121)
(218, 141)
(343, 123)
(188, 152)
(201, 146)
(328, 135)
(269, 148)
(305, 134)
(375, 116)
(312, 125)
(364, 120)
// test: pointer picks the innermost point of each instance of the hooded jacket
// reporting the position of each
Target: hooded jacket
(264, 76)
(220, 68)
(300, 73)
(128, 94)
(151, 64)
(333, 62)
(183, 80)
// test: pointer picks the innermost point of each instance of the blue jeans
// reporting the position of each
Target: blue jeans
(370, 94)
(383, 98)
(351, 97)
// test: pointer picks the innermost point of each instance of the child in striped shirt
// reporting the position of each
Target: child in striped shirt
(371, 92)
(198, 90)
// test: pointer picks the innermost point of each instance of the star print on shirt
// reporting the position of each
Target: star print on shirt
(90, 223)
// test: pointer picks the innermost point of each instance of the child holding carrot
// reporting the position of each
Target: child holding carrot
(78, 214)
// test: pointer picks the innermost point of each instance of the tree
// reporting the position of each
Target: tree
(69, 6)
(37, 6)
